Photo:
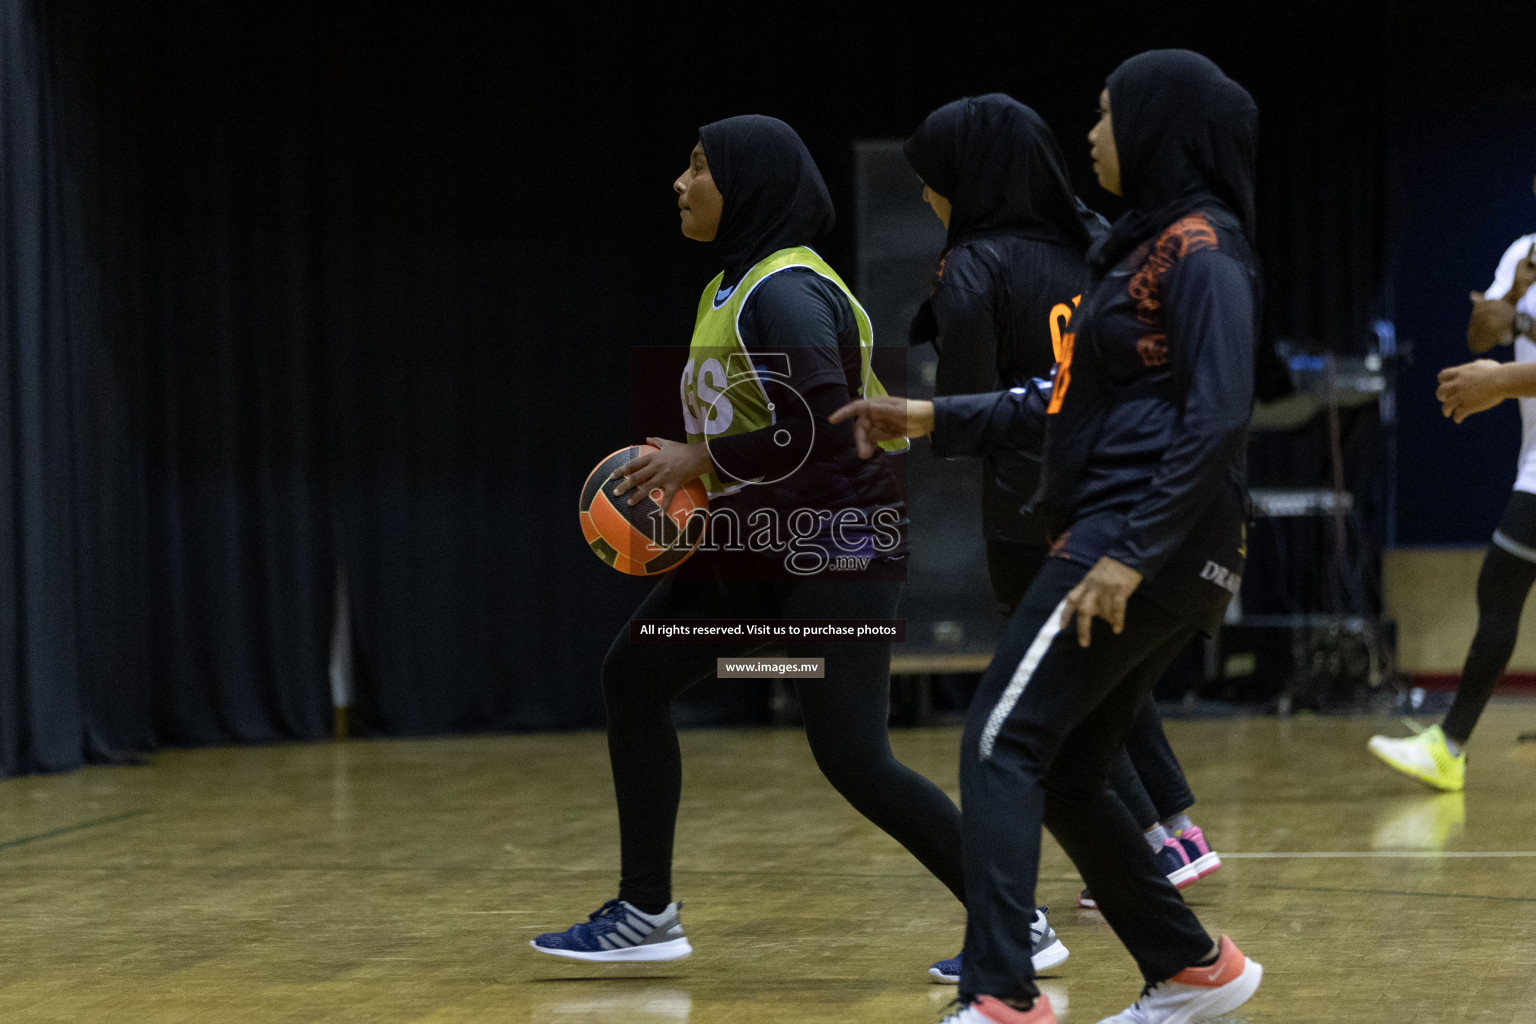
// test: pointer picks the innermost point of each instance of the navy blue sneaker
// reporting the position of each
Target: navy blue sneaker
(619, 933)
(1048, 951)
(1202, 858)
(947, 972)
(1174, 861)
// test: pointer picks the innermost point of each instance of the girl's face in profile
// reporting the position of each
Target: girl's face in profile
(698, 200)
(1106, 158)
(941, 206)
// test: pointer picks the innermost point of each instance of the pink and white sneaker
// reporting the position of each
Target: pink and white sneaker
(987, 1010)
(1173, 858)
(1199, 853)
(1196, 994)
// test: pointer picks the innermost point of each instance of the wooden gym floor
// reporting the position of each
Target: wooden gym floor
(400, 881)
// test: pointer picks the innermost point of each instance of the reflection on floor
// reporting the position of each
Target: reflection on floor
(400, 881)
(612, 1001)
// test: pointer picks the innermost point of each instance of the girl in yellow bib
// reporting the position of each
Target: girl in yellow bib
(779, 344)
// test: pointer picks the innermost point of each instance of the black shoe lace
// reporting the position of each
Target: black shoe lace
(609, 909)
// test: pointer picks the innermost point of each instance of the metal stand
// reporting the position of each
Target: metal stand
(1340, 655)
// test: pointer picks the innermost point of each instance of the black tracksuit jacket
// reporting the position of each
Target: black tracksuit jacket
(1146, 422)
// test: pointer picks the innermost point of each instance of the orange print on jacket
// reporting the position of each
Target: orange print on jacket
(1184, 236)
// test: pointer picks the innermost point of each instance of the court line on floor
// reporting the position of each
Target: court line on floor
(463, 869)
(24, 840)
(1369, 854)
(1394, 892)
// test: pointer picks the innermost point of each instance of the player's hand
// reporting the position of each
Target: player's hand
(1525, 274)
(1490, 324)
(1470, 388)
(674, 465)
(884, 419)
(1102, 594)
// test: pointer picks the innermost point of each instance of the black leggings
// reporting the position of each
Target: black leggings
(1146, 774)
(1047, 720)
(1509, 569)
(845, 721)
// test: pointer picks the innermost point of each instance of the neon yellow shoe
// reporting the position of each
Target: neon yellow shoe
(1424, 757)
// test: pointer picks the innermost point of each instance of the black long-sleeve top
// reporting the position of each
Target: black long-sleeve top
(801, 334)
(1145, 450)
(995, 304)
(1011, 421)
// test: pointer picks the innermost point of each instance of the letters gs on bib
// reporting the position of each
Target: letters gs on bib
(711, 396)
(710, 383)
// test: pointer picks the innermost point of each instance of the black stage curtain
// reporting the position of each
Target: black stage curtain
(481, 296)
(74, 679)
(231, 371)
(345, 359)
(295, 291)
(42, 718)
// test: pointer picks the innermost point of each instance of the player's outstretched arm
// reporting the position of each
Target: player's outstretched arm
(884, 419)
(1011, 420)
(1482, 384)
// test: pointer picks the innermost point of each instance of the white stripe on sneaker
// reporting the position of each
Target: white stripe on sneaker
(653, 952)
(1184, 877)
(1021, 677)
(1207, 864)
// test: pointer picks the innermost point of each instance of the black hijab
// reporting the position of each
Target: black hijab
(1187, 137)
(999, 166)
(774, 195)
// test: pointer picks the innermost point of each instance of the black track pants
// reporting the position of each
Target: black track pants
(1146, 776)
(1047, 720)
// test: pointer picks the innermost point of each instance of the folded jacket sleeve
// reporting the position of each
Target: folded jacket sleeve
(1011, 420)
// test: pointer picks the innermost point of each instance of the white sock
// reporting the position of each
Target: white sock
(1157, 837)
(1454, 747)
(1178, 824)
